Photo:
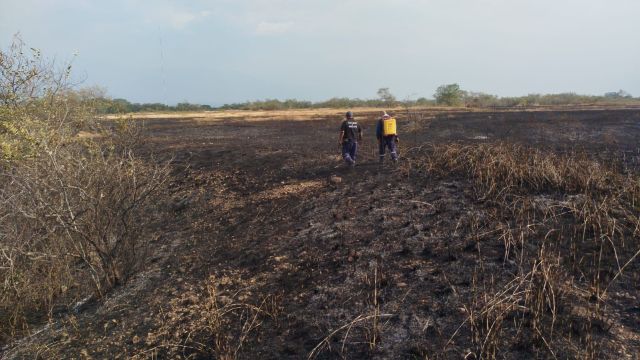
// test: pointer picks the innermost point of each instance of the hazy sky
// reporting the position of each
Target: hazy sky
(221, 51)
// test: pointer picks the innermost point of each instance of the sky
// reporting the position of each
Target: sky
(223, 51)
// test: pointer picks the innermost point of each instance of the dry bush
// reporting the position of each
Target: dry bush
(76, 212)
(210, 321)
(73, 223)
(569, 226)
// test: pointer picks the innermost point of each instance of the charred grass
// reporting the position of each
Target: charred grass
(568, 228)
(476, 250)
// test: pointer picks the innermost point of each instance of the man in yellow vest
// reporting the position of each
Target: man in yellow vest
(387, 134)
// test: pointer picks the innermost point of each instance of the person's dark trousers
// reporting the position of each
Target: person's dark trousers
(388, 142)
(349, 151)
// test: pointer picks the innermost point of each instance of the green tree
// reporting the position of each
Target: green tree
(385, 95)
(620, 94)
(450, 95)
(479, 99)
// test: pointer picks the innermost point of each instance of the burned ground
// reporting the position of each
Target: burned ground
(371, 262)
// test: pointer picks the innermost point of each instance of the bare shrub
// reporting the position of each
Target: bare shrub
(76, 211)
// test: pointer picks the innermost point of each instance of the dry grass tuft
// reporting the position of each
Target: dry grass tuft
(210, 322)
(568, 225)
(365, 328)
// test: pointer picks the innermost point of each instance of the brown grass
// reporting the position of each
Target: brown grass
(210, 321)
(248, 115)
(569, 225)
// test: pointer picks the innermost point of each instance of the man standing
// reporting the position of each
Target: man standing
(350, 134)
(387, 134)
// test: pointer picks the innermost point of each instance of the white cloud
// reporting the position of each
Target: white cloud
(273, 28)
(171, 15)
(179, 20)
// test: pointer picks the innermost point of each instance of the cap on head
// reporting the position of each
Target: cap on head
(349, 115)
(385, 115)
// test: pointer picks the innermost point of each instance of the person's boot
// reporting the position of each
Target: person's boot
(348, 160)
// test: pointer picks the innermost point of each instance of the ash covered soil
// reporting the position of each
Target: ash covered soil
(371, 262)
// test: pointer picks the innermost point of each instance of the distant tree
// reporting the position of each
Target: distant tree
(183, 106)
(620, 94)
(422, 101)
(119, 106)
(479, 99)
(450, 95)
(385, 95)
(533, 99)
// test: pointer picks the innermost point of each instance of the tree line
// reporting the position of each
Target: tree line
(119, 106)
(453, 95)
(445, 95)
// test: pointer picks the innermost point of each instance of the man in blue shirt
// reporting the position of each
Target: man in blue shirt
(350, 134)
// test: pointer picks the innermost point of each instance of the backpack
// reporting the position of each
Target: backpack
(389, 127)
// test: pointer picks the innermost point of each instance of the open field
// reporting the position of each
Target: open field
(323, 113)
(506, 234)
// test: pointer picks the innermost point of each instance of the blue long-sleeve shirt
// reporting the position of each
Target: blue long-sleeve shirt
(379, 129)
